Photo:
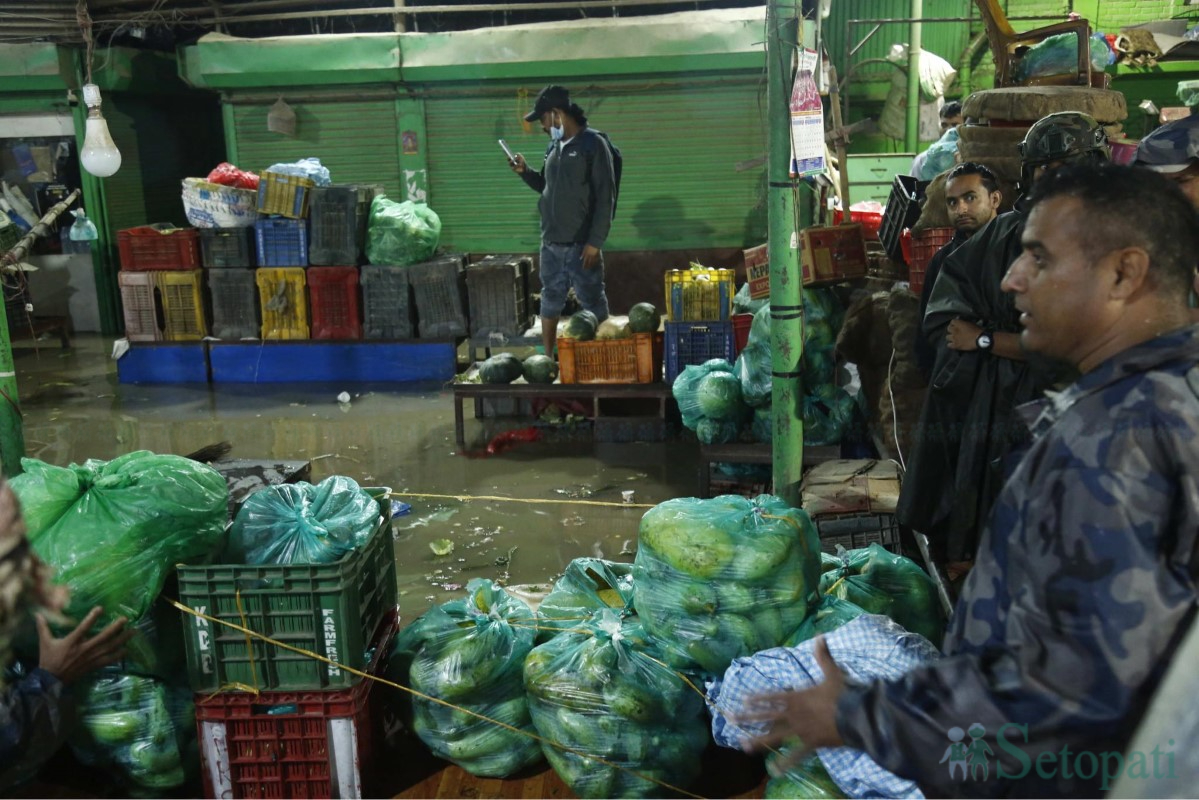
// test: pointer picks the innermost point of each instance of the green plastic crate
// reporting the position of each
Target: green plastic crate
(330, 609)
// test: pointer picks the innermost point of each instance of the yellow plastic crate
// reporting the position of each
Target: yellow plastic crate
(284, 195)
(699, 295)
(182, 296)
(283, 292)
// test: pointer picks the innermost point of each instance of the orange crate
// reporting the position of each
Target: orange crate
(634, 360)
(158, 247)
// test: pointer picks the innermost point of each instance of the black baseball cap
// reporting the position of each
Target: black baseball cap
(549, 98)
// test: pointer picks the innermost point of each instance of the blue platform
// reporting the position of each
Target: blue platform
(316, 361)
(164, 363)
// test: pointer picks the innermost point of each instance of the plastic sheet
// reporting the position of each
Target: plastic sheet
(471, 652)
(941, 155)
(722, 578)
(141, 730)
(754, 364)
(305, 168)
(302, 523)
(587, 586)
(744, 304)
(112, 530)
(881, 582)
(602, 689)
(401, 234)
(228, 175)
(1058, 55)
(710, 401)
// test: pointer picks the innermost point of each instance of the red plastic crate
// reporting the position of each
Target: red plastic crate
(333, 300)
(741, 325)
(150, 247)
(871, 221)
(924, 246)
(292, 744)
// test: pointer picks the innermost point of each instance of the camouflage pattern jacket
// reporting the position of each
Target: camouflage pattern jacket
(1084, 585)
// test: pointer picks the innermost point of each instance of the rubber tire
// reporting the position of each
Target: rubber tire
(1031, 103)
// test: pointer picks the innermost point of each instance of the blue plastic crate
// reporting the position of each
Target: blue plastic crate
(281, 242)
(690, 343)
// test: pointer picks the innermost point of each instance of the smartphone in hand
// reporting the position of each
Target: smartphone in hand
(507, 152)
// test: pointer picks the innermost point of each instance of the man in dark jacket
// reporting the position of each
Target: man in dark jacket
(980, 375)
(1084, 585)
(578, 194)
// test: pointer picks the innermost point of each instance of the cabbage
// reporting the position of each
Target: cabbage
(401, 233)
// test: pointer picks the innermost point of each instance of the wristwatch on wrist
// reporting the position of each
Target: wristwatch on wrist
(985, 340)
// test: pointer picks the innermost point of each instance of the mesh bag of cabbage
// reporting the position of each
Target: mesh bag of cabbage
(722, 578)
(470, 652)
(603, 690)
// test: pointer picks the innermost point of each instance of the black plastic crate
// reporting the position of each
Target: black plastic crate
(235, 308)
(498, 289)
(227, 248)
(439, 287)
(337, 219)
(689, 343)
(902, 211)
(281, 242)
(853, 531)
(386, 303)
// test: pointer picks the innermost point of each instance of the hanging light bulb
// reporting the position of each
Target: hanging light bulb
(100, 155)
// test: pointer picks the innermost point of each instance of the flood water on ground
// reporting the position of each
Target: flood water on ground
(387, 435)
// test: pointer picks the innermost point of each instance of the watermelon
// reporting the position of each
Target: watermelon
(644, 318)
(502, 368)
(540, 369)
(581, 326)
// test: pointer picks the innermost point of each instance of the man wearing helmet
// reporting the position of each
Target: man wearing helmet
(980, 374)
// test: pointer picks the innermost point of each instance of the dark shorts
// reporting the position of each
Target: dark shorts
(562, 268)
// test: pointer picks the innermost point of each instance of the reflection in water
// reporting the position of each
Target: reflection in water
(402, 437)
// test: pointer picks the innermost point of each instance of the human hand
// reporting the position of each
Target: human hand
(590, 256)
(962, 335)
(75, 655)
(802, 720)
(518, 164)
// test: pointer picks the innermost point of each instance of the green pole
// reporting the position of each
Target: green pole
(911, 131)
(786, 299)
(12, 433)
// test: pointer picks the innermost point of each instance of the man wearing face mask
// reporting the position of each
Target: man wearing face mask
(578, 194)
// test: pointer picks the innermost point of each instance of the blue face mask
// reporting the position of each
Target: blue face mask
(556, 133)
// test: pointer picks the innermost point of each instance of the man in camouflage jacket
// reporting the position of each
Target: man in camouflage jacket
(1085, 579)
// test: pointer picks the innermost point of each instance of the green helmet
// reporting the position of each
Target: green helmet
(1064, 136)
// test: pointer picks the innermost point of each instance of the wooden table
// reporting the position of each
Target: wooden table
(588, 393)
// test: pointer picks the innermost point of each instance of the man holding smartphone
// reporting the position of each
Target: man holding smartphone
(577, 185)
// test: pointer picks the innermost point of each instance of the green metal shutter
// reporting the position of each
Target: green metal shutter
(357, 140)
(693, 176)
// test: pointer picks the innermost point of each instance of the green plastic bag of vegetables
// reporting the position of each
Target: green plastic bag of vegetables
(302, 523)
(602, 689)
(880, 582)
(112, 530)
(829, 412)
(722, 578)
(754, 367)
(471, 653)
(832, 613)
(587, 586)
(808, 780)
(141, 730)
(401, 233)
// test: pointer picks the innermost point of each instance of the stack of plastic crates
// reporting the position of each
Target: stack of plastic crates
(440, 290)
(333, 301)
(273, 722)
(699, 308)
(337, 223)
(283, 298)
(498, 288)
(387, 311)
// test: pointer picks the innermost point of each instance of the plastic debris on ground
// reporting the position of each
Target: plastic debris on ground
(867, 648)
(302, 523)
(722, 578)
(471, 652)
(602, 690)
(881, 582)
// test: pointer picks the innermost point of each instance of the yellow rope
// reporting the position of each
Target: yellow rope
(394, 685)
(464, 497)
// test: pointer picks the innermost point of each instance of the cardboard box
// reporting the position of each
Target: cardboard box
(832, 255)
(757, 271)
(849, 486)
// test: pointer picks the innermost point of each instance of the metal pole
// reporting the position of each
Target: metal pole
(786, 299)
(911, 132)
